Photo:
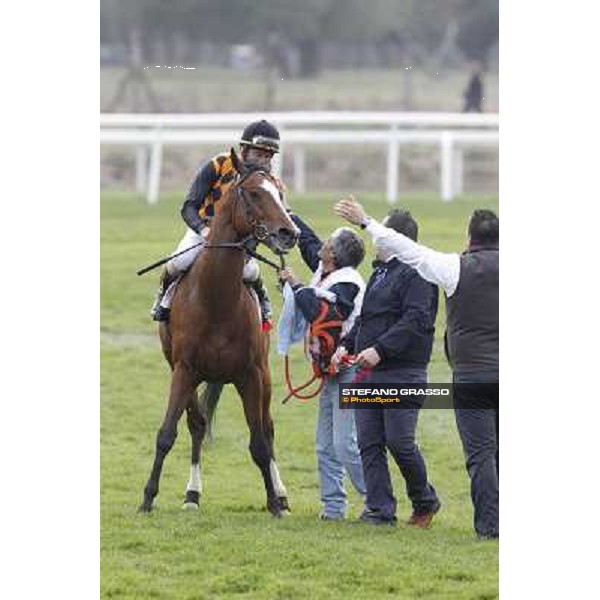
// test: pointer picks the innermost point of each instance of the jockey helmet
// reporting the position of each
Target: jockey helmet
(261, 134)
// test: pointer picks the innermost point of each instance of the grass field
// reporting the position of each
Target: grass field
(233, 547)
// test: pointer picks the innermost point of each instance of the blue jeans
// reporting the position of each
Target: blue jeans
(337, 448)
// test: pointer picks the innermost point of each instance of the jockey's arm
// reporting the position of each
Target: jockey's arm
(203, 182)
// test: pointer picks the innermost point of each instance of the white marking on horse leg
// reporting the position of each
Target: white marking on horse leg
(194, 482)
(277, 483)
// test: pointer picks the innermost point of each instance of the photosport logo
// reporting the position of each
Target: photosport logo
(419, 395)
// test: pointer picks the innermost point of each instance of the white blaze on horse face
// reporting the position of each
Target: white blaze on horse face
(270, 187)
(277, 483)
(194, 482)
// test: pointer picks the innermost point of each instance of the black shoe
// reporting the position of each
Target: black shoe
(374, 517)
(161, 314)
(157, 312)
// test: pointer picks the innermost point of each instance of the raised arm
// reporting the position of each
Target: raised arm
(440, 268)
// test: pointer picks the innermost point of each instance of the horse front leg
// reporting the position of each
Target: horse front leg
(197, 427)
(261, 439)
(269, 428)
(182, 388)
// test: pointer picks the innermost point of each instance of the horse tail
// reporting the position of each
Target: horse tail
(208, 405)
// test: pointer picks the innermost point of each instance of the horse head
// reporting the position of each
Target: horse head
(258, 208)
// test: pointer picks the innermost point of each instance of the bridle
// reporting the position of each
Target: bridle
(260, 232)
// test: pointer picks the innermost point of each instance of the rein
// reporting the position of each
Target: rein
(260, 232)
(244, 247)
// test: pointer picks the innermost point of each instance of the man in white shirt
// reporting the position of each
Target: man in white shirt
(470, 282)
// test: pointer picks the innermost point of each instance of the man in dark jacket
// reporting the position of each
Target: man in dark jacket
(470, 282)
(392, 339)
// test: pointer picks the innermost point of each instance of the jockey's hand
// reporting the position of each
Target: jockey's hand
(204, 232)
(337, 357)
(368, 358)
(286, 274)
(351, 210)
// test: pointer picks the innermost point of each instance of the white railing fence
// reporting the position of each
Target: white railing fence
(448, 132)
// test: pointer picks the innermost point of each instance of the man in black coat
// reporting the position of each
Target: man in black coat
(392, 339)
(471, 283)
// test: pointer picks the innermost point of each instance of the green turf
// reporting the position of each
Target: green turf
(232, 547)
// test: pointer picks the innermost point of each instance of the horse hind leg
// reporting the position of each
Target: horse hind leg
(182, 388)
(197, 427)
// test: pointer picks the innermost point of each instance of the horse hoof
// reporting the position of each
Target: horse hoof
(192, 500)
(144, 508)
(279, 507)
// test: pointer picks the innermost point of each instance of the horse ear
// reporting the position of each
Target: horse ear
(237, 163)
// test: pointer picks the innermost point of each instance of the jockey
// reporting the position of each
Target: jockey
(259, 142)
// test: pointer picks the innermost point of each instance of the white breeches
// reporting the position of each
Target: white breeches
(180, 264)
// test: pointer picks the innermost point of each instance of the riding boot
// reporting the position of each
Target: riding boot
(158, 312)
(265, 303)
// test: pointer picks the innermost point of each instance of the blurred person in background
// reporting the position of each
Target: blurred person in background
(470, 282)
(258, 145)
(474, 91)
(334, 294)
(392, 339)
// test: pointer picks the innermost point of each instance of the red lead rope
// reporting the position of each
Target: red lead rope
(347, 360)
(294, 391)
(322, 329)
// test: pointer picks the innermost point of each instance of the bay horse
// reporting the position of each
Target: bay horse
(214, 334)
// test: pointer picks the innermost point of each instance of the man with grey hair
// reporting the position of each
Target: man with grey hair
(334, 294)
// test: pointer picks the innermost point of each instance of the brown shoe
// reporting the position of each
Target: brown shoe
(423, 520)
